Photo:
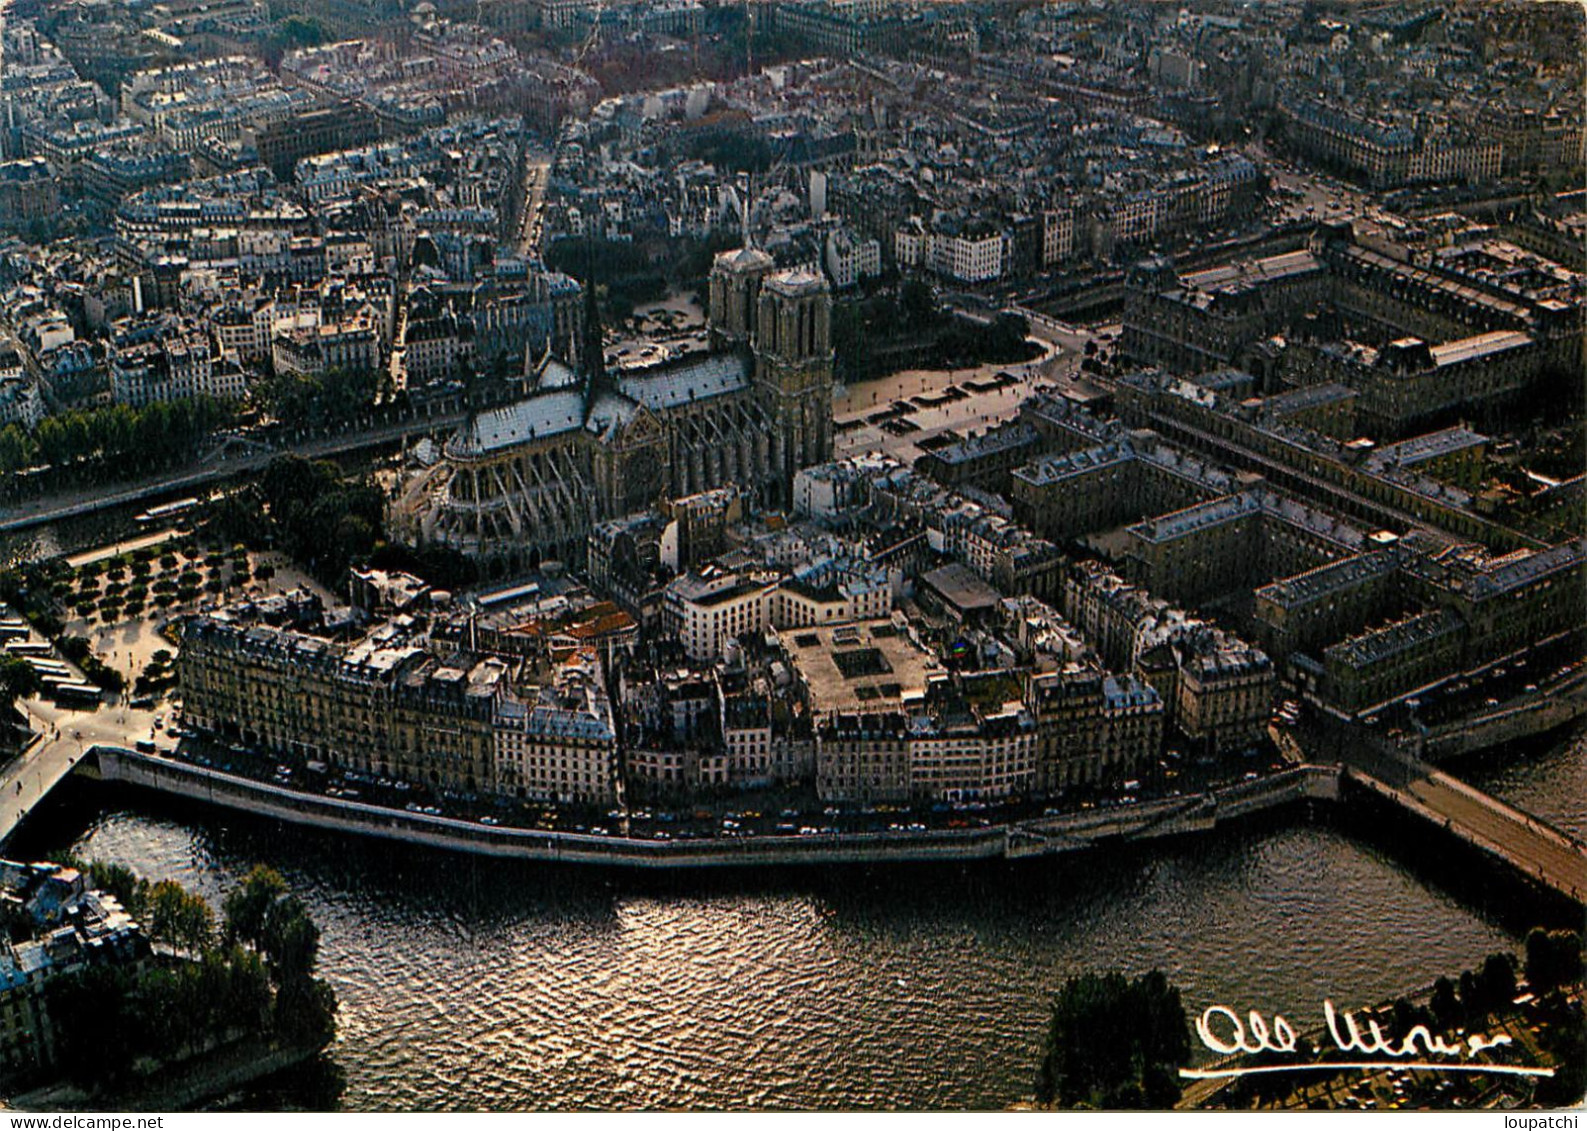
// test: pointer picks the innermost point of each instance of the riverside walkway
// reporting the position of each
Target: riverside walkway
(1533, 848)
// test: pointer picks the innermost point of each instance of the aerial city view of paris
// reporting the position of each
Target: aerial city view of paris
(792, 555)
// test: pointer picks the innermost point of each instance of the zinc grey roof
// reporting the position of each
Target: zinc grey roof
(546, 414)
(695, 380)
(610, 412)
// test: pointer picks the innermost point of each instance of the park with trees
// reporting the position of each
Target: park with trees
(328, 521)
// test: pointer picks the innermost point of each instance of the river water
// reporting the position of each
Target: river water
(470, 984)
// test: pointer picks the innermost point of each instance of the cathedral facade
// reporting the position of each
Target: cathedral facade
(525, 483)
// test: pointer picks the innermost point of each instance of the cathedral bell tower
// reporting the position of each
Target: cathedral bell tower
(793, 371)
(734, 294)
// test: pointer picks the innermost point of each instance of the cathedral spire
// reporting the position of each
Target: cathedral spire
(749, 209)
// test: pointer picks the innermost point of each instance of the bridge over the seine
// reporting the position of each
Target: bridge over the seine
(1530, 845)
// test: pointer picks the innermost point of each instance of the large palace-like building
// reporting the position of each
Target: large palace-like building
(527, 482)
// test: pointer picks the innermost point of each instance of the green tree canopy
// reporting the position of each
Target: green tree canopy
(1553, 958)
(323, 520)
(263, 913)
(1114, 1043)
(18, 680)
(179, 917)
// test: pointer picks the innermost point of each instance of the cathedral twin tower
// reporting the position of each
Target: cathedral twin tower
(783, 320)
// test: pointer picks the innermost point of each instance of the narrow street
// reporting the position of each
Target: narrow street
(537, 175)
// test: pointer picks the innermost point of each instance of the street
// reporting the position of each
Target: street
(537, 174)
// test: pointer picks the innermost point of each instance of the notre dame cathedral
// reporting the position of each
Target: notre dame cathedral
(527, 482)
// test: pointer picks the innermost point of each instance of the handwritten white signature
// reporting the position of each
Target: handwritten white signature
(1222, 1031)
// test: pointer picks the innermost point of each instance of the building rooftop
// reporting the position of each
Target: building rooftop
(1239, 276)
(1391, 640)
(1432, 445)
(1180, 523)
(693, 380)
(1327, 580)
(865, 668)
(960, 587)
(1308, 397)
(1479, 347)
(997, 440)
(539, 416)
(1056, 468)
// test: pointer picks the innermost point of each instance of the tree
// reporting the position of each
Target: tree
(916, 303)
(16, 449)
(179, 917)
(18, 680)
(74, 648)
(320, 518)
(1445, 1005)
(305, 1011)
(1114, 1043)
(248, 907)
(263, 913)
(1564, 1035)
(1496, 982)
(92, 1014)
(122, 882)
(301, 31)
(290, 940)
(1470, 1004)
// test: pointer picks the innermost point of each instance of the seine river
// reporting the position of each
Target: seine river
(477, 985)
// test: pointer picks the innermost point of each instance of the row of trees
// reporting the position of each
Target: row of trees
(266, 916)
(169, 912)
(116, 441)
(863, 328)
(623, 274)
(29, 589)
(111, 1021)
(251, 978)
(1553, 959)
(1468, 1003)
(1000, 342)
(79, 651)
